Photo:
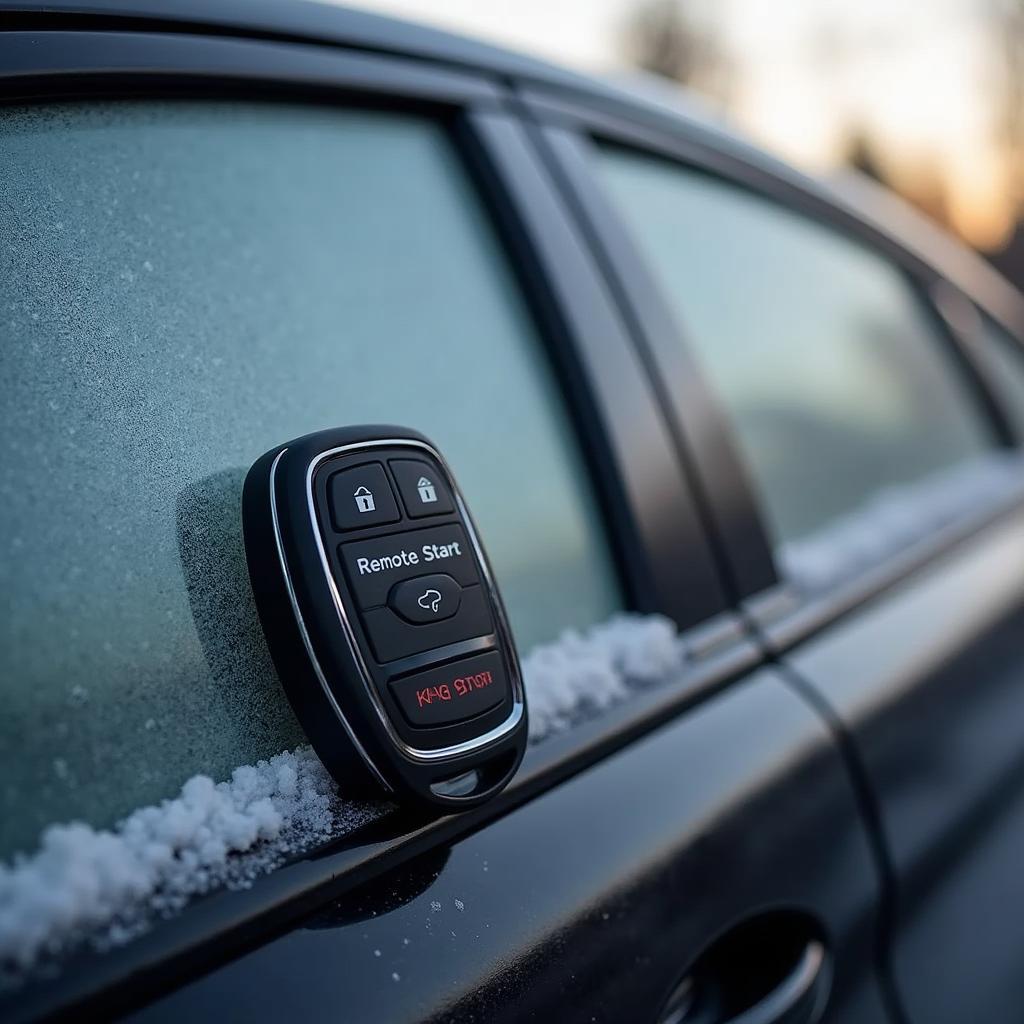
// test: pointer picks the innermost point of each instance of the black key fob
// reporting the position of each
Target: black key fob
(383, 617)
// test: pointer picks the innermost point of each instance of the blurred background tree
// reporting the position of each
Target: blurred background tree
(1008, 31)
(681, 42)
(688, 42)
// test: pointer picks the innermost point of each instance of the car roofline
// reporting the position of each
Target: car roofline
(302, 21)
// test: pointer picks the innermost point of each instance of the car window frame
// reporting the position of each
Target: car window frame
(568, 129)
(594, 362)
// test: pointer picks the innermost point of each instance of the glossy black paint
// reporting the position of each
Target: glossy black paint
(590, 902)
(228, 923)
(929, 681)
(926, 702)
(923, 683)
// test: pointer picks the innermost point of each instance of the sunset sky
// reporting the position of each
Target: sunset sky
(918, 75)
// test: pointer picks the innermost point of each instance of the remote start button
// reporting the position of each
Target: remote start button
(374, 566)
(393, 638)
(453, 693)
(426, 598)
(423, 492)
(362, 497)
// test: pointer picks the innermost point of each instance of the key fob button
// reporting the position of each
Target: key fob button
(392, 638)
(426, 598)
(362, 497)
(423, 491)
(452, 693)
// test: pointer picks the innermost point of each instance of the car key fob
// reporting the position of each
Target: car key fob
(383, 617)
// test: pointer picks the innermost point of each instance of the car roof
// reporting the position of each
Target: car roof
(294, 20)
(327, 23)
(331, 24)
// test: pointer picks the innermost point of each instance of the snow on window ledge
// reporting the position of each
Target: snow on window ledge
(899, 517)
(103, 887)
(582, 674)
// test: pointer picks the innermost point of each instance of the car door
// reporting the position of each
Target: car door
(222, 242)
(867, 413)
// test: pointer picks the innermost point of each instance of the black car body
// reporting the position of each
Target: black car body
(823, 812)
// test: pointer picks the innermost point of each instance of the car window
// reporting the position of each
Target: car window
(839, 387)
(184, 286)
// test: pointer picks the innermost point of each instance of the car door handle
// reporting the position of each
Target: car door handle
(771, 969)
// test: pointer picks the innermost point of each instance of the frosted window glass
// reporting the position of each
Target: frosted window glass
(827, 362)
(183, 286)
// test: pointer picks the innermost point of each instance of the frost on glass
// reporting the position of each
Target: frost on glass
(835, 378)
(183, 286)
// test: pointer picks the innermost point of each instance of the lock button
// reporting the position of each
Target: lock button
(423, 491)
(362, 497)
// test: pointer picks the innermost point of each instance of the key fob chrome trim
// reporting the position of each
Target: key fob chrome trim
(350, 663)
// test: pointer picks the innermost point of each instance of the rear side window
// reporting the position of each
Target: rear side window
(185, 285)
(841, 391)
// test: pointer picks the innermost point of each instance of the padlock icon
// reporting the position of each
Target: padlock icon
(427, 491)
(364, 499)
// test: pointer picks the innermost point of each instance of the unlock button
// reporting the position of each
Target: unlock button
(426, 598)
(423, 490)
